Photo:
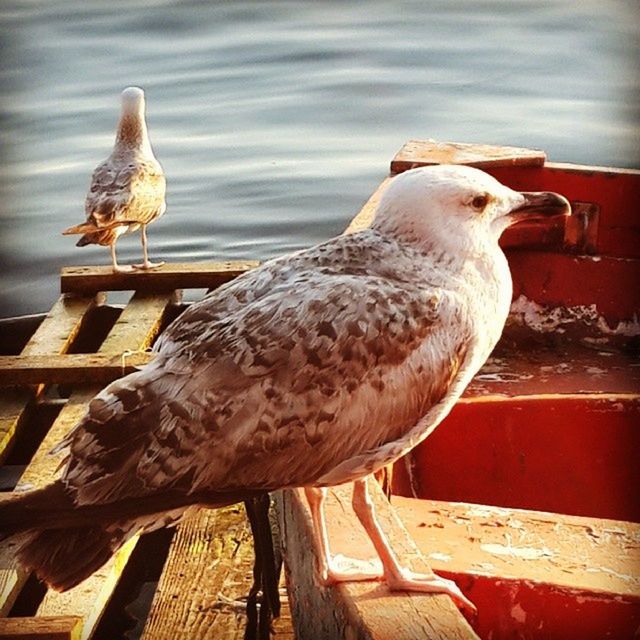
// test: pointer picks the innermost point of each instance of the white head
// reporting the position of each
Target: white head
(457, 208)
(133, 101)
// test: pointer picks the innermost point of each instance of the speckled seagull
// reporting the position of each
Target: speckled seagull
(127, 189)
(312, 370)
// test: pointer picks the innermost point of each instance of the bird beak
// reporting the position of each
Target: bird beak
(539, 206)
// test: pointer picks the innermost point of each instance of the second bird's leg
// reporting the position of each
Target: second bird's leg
(397, 577)
(117, 268)
(146, 263)
(339, 568)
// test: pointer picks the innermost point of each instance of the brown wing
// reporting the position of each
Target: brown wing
(276, 394)
(125, 193)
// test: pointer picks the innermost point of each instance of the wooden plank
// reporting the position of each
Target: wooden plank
(135, 329)
(208, 569)
(365, 216)
(417, 153)
(358, 609)
(168, 277)
(537, 565)
(74, 368)
(52, 628)
(55, 335)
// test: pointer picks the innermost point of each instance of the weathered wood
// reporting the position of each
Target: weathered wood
(135, 329)
(207, 572)
(55, 335)
(538, 566)
(52, 628)
(358, 610)
(365, 216)
(69, 368)
(416, 153)
(168, 277)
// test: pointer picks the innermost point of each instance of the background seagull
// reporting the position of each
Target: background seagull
(127, 190)
(312, 370)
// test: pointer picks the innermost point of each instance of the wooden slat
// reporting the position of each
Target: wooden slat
(358, 610)
(416, 153)
(69, 368)
(208, 567)
(53, 628)
(168, 277)
(365, 216)
(135, 329)
(55, 335)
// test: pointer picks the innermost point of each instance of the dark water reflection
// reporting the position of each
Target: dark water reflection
(274, 121)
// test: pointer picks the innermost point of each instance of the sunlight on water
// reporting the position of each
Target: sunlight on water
(275, 121)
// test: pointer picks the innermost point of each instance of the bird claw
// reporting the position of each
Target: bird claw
(122, 268)
(147, 264)
(409, 581)
(343, 569)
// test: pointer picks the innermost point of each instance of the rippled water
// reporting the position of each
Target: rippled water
(275, 120)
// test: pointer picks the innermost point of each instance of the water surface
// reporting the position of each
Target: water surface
(274, 121)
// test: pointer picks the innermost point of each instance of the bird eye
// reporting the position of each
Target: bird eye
(480, 202)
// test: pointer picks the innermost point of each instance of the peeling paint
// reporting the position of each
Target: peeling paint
(612, 572)
(528, 313)
(518, 613)
(525, 553)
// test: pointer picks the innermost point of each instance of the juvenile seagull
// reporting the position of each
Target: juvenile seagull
(312, 370)
(127, 189)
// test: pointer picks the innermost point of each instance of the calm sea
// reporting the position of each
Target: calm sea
(275, 120)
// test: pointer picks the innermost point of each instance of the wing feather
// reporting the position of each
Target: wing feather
(125, 193)
(274, 381)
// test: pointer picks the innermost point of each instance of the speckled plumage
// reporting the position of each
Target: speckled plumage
(314, 369)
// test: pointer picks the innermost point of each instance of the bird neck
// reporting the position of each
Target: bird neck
(132, 133)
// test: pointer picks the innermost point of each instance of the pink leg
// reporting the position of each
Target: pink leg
(338, 568)
(117, 268)
(397, 577)
(146, 263)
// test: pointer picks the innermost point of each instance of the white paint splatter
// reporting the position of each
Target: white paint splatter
(525, 553)
(547, 319)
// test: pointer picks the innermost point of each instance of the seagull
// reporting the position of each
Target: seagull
(312, 370)
(127, 189)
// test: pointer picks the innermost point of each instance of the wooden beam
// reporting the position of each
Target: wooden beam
(96, 368)
(418, 153)
(55, 335)
(358, 610)
(168, 277)
(537, 565)
(207, 573)
(135, 329)
(50, 628)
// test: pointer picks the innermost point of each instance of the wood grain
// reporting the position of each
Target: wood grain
(54, 336)
(69, 368)
(168, 277)
(135, 329)
(418, 153)
(208, 569)
(53, 628)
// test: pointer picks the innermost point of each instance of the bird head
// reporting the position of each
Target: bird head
(457, 208)
(133, 101)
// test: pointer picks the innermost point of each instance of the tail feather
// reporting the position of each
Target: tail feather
(65, 543)
(65, 557)
(83, 227)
